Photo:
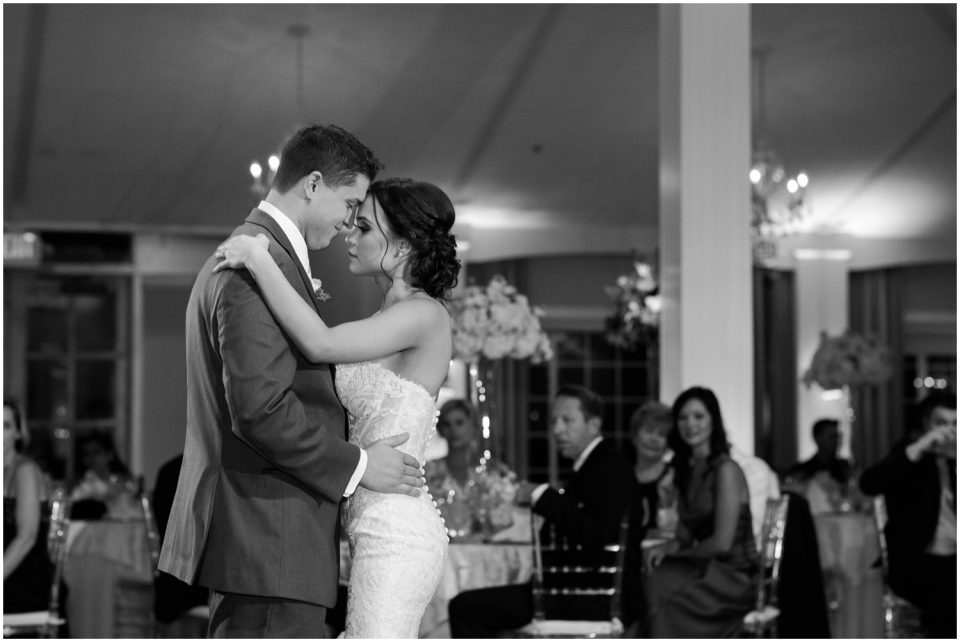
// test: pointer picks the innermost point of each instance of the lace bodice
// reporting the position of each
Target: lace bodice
(398, 543)
(381, 403)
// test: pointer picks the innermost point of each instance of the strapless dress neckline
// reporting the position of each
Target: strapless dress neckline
(398, 377)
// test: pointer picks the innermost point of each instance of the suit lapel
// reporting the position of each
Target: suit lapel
(266, 221)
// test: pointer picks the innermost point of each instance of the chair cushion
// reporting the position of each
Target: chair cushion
(768, 614)
(573, 628)
(32, 618)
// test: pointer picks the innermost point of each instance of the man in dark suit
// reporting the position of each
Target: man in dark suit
(918, 480)
(587, 511)
(826, 434)
(266, 462)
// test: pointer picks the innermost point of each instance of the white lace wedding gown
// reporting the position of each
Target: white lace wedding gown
(398, 543)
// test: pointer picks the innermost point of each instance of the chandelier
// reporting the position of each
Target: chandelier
(779, 203)
(263, 177)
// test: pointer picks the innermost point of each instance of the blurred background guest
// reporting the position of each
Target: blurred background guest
(105, 487)
(27, 569)
(649, 426)
(462, 481)
(586, 512)
(826, 434)
(702, 582)
(918, 480)
(653, 495)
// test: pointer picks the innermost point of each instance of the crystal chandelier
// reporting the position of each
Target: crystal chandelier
(779, 204)
(263, 178)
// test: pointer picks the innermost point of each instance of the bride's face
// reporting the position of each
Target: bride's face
(368, 247)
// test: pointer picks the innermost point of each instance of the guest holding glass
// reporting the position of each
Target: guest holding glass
(459, 481)
(918, 480)
(27, 569)
(701, 583)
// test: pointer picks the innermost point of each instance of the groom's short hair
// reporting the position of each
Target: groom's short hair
(334, 152)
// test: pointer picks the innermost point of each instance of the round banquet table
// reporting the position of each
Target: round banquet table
(848, 550)
(101, 555)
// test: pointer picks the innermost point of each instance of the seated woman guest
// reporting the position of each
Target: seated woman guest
(701, 583)
(653, 490)
(105, 487)
(460, 481)
(27, 569)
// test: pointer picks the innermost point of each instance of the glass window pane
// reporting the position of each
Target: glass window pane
(539, 453)
(634, 382)
(96, 321)
(47, 329)
(567, 376)
(539, 380)
(569, 346)
(600, 348)
(603, 382)
(47, 389)
(95, 386)
(538, 419)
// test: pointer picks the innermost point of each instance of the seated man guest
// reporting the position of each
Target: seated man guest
(587, 511)
(918, 480)
(826, 434)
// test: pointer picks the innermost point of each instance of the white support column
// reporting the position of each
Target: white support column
(706, 272)
(822, 302)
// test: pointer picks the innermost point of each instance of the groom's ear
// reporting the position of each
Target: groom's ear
(311, 184)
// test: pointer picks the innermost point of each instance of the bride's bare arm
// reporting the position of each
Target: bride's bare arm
(400, 327)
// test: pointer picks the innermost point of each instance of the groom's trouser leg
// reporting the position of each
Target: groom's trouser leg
(483, 613)
(248, 616)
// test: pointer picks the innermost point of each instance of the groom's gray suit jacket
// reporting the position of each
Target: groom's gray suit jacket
(265, 460)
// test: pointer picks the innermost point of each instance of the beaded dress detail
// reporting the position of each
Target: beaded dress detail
(398, 543)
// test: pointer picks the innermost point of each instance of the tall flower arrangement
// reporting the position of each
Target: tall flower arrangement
(636, 314)
(848, 360)
(496, 321)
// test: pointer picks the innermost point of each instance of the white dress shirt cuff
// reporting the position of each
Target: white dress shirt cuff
(537, 492)
(357, 475)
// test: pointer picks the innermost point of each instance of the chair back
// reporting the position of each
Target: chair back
(771, 550)
(153, 535)
(574, 583)
(901, 619)
(880, 519)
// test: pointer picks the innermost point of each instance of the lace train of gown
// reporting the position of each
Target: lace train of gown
(398, 543)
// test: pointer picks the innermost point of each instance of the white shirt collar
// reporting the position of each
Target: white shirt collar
(291, 230)
(586, 453)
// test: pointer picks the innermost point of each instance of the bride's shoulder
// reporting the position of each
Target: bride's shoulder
(424, 307)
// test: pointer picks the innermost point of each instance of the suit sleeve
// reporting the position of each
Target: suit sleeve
(597, 522)
(877, 479)
(258, 375)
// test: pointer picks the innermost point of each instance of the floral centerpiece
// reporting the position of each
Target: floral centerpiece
(496, 321)
(848, 360)
(636, 314)
(497, 493)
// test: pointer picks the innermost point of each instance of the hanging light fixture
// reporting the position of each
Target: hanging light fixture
(779, 201)
(263, 177)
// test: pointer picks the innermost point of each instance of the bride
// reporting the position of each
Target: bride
(391, 367)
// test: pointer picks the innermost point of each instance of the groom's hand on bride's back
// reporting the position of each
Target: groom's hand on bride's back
(390, 470)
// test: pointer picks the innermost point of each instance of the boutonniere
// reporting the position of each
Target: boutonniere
(318, 290)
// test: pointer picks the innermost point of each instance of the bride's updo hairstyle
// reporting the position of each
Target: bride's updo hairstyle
(423, 215)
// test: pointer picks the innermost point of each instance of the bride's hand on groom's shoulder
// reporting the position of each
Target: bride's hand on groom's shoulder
(238, 251)
(390, 470)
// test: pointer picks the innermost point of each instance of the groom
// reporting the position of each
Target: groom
(266, 463)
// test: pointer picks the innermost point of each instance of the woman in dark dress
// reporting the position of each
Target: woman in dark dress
(649, 426)
(700, 584)
(27, 570)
